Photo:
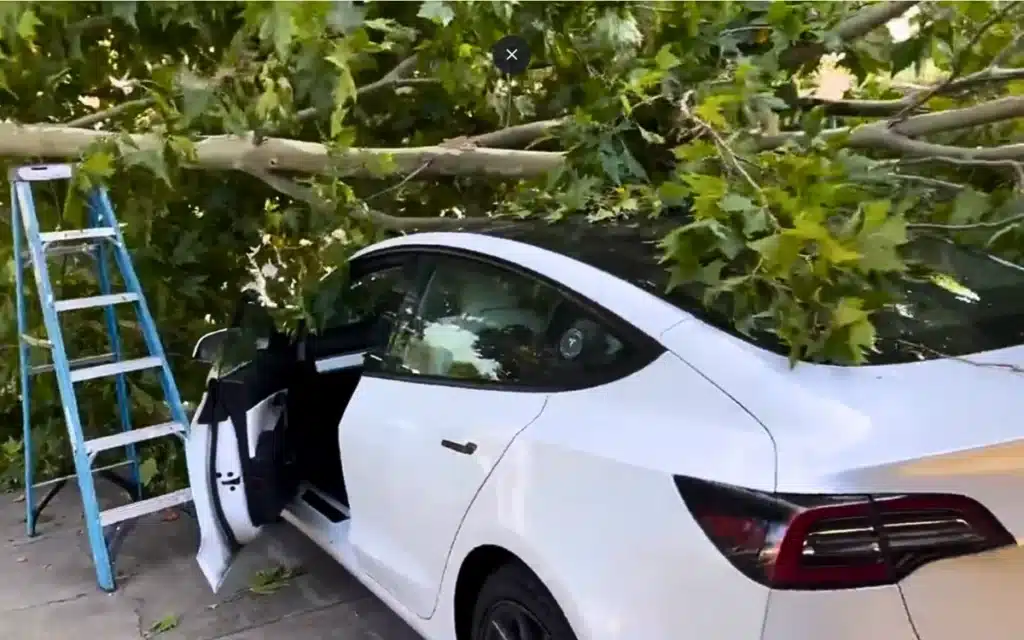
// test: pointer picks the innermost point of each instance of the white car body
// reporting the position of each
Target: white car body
(578, 484)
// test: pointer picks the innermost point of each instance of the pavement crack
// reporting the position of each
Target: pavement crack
(48, 603)
(138, 603)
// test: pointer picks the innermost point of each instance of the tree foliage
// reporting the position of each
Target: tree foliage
(259, 142)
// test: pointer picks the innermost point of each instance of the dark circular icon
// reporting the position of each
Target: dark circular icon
(511, 55)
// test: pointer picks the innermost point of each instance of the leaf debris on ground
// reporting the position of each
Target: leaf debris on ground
(272, 580)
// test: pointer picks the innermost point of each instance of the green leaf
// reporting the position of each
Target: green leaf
(99, 164)
(848, 311)
(436, 11)
(163, 625)
(665, 60)
(27, 23)
(278, 27)
(735, 203)
(150, 159)
(147, 471)
(968, 207)
(862, 336)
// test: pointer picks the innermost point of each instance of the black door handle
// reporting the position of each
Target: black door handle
(467, 448)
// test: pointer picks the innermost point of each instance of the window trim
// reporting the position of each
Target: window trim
(646, 349)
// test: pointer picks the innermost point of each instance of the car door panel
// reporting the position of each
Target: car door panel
(408, 492)
(243, 462)
(238, 466)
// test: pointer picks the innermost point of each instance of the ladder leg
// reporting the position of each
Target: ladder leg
(83, 468)
(99, 202)
(110, 315)
(25, 365)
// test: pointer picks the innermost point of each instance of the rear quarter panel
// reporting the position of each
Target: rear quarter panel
(585, 498)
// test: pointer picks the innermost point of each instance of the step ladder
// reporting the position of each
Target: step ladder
(105, 528)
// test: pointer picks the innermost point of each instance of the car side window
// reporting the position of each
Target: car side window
(477, 321)
(370, 296)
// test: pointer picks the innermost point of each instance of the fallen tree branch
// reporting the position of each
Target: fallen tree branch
(899, 138)
(918, 100)
(931, 182)
(870, 18)
(394, 78)
(856, 26)
(106, 114)
(302, 193)
(857, 108)
(875, 137)
(517, 135)
(993, 75)
(229, 152)
(994, 224)
(953, 119)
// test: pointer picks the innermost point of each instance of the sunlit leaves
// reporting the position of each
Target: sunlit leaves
(436, 11)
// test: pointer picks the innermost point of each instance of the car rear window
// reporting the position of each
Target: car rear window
(976, 304)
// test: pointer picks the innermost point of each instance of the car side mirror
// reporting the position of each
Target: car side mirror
(209, 346)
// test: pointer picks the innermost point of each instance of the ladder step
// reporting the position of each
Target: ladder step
(72, 476)
(95, 301)
(79, 362)
(125, 438)
(114, 368)
(138, 509)
(77, 235)
(53, 251)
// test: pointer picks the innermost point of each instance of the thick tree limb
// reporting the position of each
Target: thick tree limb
(873, 137)
(239, 153)
(518, 135)
(953, 119)
(857, 108)
(870, 18)
(854, 27)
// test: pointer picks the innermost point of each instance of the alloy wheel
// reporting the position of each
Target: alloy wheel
(508, 620)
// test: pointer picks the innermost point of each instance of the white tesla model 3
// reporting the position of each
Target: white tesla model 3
(518, 435)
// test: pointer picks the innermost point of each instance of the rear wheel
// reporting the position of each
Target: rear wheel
(514, 604)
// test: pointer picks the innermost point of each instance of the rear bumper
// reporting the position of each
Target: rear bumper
(977, 596)
(860, 614)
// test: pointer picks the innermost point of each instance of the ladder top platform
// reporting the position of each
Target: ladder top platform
(41, 172)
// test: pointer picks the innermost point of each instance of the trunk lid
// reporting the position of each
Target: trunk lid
(951, 425)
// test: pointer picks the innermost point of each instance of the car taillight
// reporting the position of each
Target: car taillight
(789, 541)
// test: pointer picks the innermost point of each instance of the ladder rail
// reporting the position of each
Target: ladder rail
(100, 554)
(114, 337)
(99, 202)
(24, 365)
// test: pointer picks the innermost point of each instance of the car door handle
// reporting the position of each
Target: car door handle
(467, 448)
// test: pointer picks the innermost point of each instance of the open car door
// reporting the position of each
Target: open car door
(240, 465)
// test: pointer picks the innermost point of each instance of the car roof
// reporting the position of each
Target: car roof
(628, 251)
(573, 253)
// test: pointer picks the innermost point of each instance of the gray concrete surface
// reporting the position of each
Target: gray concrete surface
(48, 588)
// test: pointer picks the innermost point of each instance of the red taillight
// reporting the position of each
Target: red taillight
(788, 541)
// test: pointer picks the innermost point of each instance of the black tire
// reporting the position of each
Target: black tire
(513, 589)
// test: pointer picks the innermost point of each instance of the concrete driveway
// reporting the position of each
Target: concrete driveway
(284, 586)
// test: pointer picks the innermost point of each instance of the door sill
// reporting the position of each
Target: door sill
(325, 504)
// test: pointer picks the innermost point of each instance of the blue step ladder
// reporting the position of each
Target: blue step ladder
(106, 528)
